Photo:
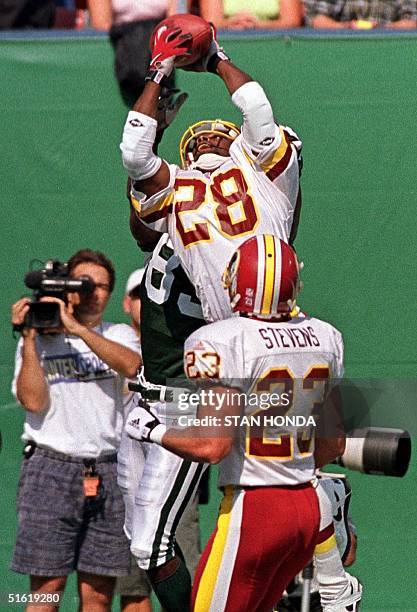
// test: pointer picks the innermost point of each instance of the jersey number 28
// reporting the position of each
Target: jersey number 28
(234, 207)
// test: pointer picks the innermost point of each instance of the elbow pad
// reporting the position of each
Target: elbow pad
(259, 129)
(138, 139)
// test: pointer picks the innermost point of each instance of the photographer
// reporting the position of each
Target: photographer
(70, 381)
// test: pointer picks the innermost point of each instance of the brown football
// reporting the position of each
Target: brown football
(200, 31)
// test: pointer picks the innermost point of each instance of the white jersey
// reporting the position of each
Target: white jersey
(209, 215)
(285, 369)
(85, 413)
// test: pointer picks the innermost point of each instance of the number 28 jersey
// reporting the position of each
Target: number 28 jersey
(285, 369)
(209, 215)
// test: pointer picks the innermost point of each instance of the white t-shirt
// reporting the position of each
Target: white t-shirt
(85, 413)
(207, 216)
(301, 358)
(125, 11)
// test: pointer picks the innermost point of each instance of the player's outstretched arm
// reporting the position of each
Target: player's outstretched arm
(217, 62)
(232, 76)
(208, 441)
(193, 444)
(259, 129)
(150, 173)
(211, 439)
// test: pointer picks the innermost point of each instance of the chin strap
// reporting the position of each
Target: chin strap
(208, 161)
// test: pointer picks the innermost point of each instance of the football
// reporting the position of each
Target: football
(200, 31)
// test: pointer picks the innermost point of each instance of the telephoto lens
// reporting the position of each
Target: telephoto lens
(377, 450)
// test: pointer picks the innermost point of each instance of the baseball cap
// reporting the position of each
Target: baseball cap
(134, 280)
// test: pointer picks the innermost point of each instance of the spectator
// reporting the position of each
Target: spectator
(130, 25)
(71, 14)
(65, 14)
(361, 14)
(26, 14)
(253, 14)
(131, 300)
(184, 6)
(70, 382)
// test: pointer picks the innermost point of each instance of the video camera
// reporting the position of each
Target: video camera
(53, 280)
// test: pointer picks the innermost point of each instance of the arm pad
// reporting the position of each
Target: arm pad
(138, 139)
(259, 128)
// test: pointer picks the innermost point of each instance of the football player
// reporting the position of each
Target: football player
(170, 312)
(271, 171)
(274, 514)
(232, 184)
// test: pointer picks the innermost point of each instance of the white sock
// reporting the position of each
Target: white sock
(332, 578)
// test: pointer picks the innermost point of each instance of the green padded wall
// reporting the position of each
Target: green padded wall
(352, 100)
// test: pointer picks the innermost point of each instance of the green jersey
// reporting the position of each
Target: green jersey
(170, 312)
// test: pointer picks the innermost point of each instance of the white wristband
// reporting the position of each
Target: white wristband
(157, 434)
(139, 135)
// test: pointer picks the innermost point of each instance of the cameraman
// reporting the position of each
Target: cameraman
(70, 382)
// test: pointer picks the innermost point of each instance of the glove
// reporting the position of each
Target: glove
(144, 426)
(209, 62)
(167, 45)
(170, 102)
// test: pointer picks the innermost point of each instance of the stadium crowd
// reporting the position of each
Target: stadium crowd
(225, 14)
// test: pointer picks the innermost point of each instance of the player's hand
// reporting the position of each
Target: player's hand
(144, 426)
(208, 63)
(168, 44)
(169, 104)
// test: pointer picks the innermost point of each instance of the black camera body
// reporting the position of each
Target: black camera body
(52, 280)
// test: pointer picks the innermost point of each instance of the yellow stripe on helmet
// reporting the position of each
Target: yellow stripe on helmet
(269, 278)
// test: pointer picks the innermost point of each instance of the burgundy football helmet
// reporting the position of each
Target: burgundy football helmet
(262, 277)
